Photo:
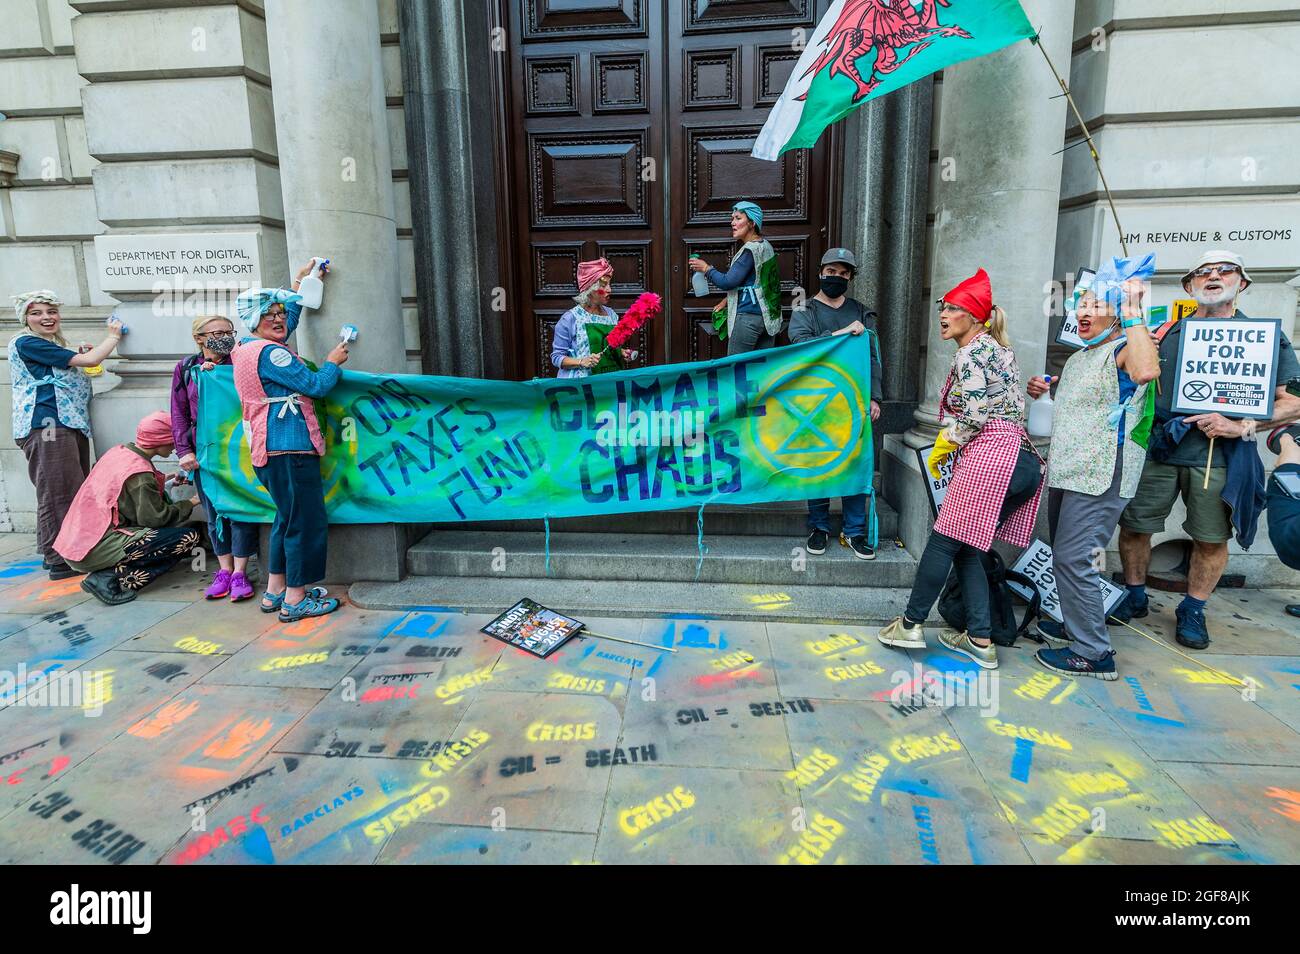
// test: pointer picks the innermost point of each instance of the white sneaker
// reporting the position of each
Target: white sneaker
(902, 636)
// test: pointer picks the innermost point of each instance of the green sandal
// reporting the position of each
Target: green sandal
(277, 599)
(310, 606)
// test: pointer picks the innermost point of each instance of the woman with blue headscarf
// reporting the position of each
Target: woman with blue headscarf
(1100, 429)
(276, 388)
(752, 318)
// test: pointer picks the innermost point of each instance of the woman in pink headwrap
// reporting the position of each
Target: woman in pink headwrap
(578, 348)
(121, 529)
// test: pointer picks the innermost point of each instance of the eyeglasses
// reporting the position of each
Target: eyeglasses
(1223, 269)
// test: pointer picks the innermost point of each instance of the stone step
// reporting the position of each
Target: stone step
(789, 518)
(764, 562)
(868, 606)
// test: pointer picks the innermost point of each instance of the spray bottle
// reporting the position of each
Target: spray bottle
(699, 284)
(1041, 411)
(311, 288)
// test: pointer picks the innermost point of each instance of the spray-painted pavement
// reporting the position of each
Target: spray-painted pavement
(210, 733)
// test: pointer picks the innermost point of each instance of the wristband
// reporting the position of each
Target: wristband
(1132, 322)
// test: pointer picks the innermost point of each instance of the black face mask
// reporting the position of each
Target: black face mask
(222, 344)
(833, 285)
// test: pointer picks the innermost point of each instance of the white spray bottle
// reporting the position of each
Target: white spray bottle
(1041, 411)
(311, 288)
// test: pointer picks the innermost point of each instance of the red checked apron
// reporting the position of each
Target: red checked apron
(981, 474)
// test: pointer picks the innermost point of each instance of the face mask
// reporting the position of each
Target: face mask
(1101, 337)
(833, 285)
(221, 344)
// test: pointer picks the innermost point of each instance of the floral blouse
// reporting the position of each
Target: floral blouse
(983, 385)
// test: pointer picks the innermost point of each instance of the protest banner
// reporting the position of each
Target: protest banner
(1227, 366)
(779, 424)
(1036, 563)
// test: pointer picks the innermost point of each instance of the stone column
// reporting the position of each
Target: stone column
(336, 173)
(996, 197)
(997, 192)
(449, 135)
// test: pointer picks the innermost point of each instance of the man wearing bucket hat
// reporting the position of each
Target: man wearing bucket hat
(1176, 469)
(831, 312)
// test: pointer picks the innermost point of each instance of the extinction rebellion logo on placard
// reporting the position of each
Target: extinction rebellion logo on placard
(103, 907)
(1226, 365)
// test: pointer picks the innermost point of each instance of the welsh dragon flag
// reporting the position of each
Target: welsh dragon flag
(867, 48)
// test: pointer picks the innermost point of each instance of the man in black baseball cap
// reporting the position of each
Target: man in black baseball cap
(831, 312)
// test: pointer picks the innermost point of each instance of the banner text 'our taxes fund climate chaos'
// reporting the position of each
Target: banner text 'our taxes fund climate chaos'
(780, 424)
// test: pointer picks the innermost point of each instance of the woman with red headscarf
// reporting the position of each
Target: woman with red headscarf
(121, 528)
(997, 475)
(578, 348)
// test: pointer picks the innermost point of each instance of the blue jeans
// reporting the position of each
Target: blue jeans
(1284, 519)
(226, 536)
(300, 532)
(855, 514)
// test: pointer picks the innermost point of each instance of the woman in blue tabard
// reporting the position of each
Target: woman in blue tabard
(51, 413)
(752, 318)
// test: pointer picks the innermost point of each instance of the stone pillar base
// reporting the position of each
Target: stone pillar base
(362, 551)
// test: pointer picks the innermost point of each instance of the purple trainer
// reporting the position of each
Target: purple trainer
(220, 586)
(240, 588)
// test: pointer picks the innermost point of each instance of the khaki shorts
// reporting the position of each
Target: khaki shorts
(1208, 518)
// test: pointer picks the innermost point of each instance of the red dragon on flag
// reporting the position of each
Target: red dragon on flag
(885, 26)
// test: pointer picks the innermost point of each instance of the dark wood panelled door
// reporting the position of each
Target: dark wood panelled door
(629, 129)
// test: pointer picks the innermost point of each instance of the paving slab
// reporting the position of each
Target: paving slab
(1061, 766)
(308, 810)
(312, 653)
(1258, 805)
(96, 812)
(397, 705)
(121, 692)
(673, 815)
(1094, 849)
(899, 780)
(529, 761)
(435, 844)
(39, 593)
(1179, 721)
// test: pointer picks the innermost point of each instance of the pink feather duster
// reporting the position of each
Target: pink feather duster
(643, 309)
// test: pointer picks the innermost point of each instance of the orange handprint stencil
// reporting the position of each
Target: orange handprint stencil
(238, 740)
(165, 719)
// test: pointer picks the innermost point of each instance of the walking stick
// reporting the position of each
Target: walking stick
(620, 639)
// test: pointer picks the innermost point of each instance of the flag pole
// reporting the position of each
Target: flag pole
(1092, 146)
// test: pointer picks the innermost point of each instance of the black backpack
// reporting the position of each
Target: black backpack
(1002, 611)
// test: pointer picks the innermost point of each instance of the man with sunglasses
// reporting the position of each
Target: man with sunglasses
(1215, 282)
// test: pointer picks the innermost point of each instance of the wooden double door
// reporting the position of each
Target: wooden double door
(628, 128)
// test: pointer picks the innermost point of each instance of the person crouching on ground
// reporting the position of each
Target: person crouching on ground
(1099, 435)
(122, 529)
(233, 542)
(997, 475)
(831, 312)
(275, 387)
(51, 413)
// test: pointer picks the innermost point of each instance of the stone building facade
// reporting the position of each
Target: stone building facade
(384, 134)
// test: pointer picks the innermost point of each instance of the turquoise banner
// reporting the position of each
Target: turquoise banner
(780, 424)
